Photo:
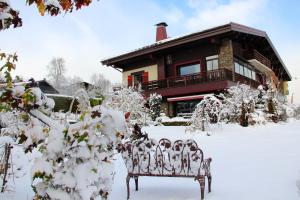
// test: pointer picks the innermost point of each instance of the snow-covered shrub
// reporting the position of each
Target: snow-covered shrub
(130, 100)
(249, 106)
(76, 163)
(154, 105)
(206, 112)
(297, 112)
(272, 104)
(239, 103)
(76, 160)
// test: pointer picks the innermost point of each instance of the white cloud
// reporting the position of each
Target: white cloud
(200, 4)
(211, 13)
(83, 38)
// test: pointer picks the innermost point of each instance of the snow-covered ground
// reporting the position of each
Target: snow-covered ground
(253, 163)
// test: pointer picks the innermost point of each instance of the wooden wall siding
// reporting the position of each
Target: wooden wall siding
(226, 54)
(191, 54)
(161, 68)
(238, 49)
(138, 64)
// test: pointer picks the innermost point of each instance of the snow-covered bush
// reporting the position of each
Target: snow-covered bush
(297, 112)
(206, 112)
(154, 105)
(239, 103)
(76, 160)
(130, 100)
(272, 104)
(76, 163)
(249, 106)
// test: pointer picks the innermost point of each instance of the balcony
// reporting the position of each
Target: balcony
(200, 82)
(255, 55)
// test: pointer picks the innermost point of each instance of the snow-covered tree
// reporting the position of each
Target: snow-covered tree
(154, 105)
(56, 73)
(239, 102)
(206, 112)
(102, 85)
(129, 100)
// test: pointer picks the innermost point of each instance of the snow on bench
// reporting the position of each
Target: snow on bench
(165, 159)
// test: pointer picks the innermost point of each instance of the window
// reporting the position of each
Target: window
(189, 69)
(241, 69)
(137, 78)
(185, 107)
(236, 67)
(212, 63)
(253, 75)
(245, 71)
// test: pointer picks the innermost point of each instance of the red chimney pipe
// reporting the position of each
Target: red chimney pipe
(161, 32)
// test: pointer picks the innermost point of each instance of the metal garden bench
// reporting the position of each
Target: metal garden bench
(165, 159)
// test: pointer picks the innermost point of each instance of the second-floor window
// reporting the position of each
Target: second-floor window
(243, 70)
(189, 69)
(136, 78)
(212, 63)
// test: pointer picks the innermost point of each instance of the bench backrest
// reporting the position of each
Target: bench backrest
(178, 158)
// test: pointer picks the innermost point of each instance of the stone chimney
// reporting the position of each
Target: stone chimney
(161, 32)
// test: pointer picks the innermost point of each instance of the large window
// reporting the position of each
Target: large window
(212, 63)
(189, 69)
(244, 70)
(185, 107)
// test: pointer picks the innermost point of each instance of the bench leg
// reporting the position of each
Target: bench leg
(136, 180)
(209, 183)
(127, 184)
(202, 185)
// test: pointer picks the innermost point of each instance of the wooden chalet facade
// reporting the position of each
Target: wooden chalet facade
(184, 69)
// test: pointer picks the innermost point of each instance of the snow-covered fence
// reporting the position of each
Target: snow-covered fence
(165, 159)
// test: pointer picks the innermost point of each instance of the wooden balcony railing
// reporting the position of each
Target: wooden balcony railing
(198, 78)
(254, 54)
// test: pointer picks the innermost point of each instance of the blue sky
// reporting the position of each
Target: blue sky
(109, 27)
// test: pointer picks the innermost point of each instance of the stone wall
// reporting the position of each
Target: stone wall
(226, 54)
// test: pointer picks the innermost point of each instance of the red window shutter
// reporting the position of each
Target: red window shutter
(129, 80)
(145, 77)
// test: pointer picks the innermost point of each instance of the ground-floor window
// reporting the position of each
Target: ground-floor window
(184, 108)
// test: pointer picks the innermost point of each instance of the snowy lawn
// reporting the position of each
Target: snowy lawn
(253, 163)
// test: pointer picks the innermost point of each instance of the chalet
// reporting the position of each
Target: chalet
(184, 69)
